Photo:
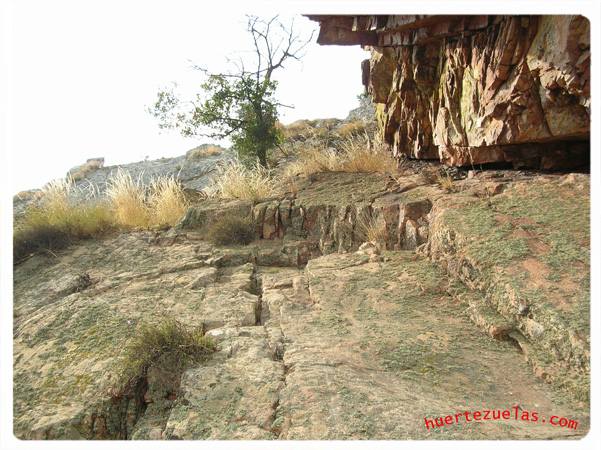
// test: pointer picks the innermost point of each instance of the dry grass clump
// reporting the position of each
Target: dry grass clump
(231, 230)
(167, 202)
(350, 129)
(58, 219)
(313, 160)
(446, 182)
(65, 213)
(358, 155)
(167, 344)
(302, 130)
(128, 199)
(354, 155)
(371, 228)
(237, 181)
(203, 151)
(162, 204)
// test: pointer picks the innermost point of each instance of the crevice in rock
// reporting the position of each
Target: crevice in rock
(257, 289)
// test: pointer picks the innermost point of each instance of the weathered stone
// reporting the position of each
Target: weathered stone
(351, 371)
(233, 395)
(490, 244)
(477, 89)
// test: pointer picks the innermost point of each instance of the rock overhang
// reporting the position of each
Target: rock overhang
(476, 89)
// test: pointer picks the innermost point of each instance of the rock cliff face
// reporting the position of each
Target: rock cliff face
(476, 89)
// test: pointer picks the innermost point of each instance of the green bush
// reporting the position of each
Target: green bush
(231, 230)
(167, 344)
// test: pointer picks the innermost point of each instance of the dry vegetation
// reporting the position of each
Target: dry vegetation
(355, 155)
(373, 230)
(163, 204)
(237, 181)
(446, 182)
(167, 202)
(203, 151)
(58, 220)
(66, 213)
(127, 198)
(168, 344)
(61, 217)
(351, 129)
(231, 230)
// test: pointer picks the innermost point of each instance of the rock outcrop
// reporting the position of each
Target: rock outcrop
(365, 304)
(472, 90)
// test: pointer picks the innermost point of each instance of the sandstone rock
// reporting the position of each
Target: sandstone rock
(352, 345)
(476, 89)
(510, 248)
(351, 371)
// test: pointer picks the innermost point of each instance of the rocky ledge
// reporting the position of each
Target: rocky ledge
(473, 90)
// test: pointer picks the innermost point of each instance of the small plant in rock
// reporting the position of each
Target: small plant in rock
(446, 182)
(372, 229)
(168, 344)
(231, 230)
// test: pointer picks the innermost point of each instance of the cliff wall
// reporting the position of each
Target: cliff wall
(476, 89)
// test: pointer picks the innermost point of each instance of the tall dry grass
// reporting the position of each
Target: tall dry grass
(167, 202)
(163, 203)
(64, 213)
(356, 154)
(236, 181)
(372, 229)
(128, 200)
(359, 154)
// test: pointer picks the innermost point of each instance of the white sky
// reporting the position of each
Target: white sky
(83, 73)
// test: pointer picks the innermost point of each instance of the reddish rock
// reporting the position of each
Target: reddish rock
(476, 89)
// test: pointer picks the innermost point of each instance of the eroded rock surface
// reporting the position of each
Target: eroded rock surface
(476, 89)
(319, 334)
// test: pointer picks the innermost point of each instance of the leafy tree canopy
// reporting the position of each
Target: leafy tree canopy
(240, 104)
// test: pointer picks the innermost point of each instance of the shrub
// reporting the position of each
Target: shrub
(168, 344)
(128, 200)
(167, 202)
(58, 219)
(236, 181)
(231, 230)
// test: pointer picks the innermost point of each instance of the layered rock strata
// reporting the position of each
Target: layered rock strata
(473, 90)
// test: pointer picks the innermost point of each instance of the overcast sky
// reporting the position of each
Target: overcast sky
(83, 74)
